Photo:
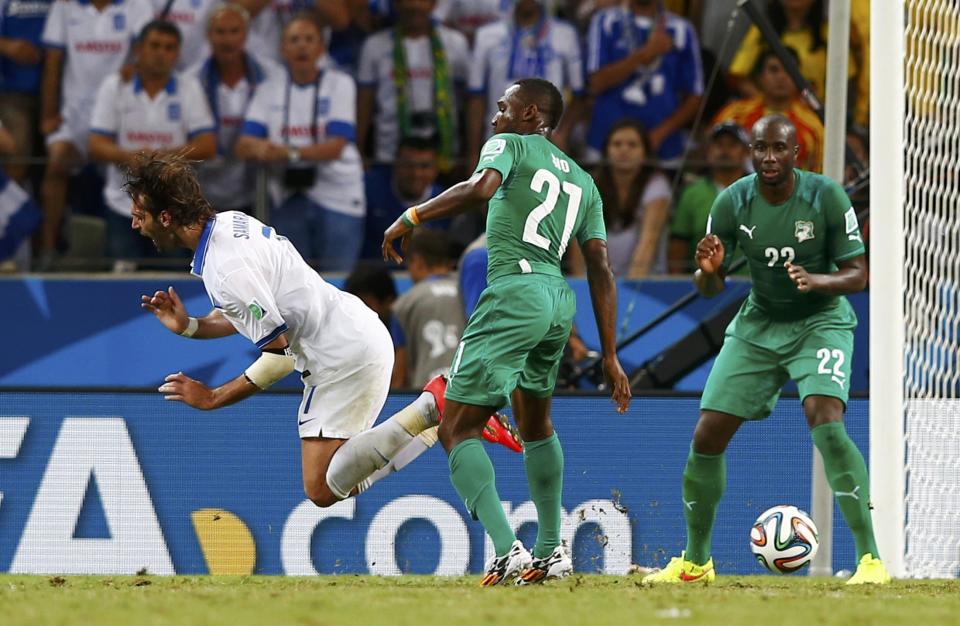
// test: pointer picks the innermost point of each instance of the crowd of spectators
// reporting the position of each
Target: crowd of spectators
(349, 111)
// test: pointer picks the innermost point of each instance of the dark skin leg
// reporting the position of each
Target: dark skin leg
(532, 415)
(822, 410)
(462, 422)
(466, 421)
(715, 430)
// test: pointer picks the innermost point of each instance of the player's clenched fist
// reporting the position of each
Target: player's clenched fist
(709, 254)
(804, 280)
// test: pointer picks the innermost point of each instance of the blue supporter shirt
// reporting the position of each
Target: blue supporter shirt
(653, 92)
(22, 19)
(384, 207)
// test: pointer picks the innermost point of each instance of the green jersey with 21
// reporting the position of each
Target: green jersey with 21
(544, 200)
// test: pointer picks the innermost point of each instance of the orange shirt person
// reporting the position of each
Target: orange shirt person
(778, 94)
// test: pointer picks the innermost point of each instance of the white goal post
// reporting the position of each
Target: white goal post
(915, 285)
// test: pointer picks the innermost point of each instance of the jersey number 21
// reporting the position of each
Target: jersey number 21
(574, 194)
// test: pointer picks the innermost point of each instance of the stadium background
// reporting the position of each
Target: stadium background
(110, 478)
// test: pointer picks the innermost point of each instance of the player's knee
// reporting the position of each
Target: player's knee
(706, 441)
(820, 411)
(320, 494)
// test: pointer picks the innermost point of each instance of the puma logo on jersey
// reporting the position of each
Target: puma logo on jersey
(689, 505)
(749, 231)
(854, 238)
(849, 494)
(837, 380)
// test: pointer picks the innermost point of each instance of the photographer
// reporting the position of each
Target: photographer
(302, 125)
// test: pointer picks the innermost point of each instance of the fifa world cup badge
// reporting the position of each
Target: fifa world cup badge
(803, 230)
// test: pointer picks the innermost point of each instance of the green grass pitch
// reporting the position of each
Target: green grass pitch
(421, 600)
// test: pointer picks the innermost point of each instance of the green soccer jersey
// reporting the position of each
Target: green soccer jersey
(544, 200)
(815, 228)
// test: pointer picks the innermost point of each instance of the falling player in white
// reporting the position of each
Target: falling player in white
(262, 288)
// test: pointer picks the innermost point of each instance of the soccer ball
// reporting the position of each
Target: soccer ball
(784, 539)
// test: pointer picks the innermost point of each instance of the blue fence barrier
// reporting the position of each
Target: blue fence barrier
(120, 482)
(94, 333)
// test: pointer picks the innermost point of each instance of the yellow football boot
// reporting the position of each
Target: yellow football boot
(679, 570)
(870, 571)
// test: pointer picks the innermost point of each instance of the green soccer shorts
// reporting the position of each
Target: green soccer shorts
(515, 338)
(760, 355)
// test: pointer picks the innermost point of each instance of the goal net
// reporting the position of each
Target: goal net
(930, 260)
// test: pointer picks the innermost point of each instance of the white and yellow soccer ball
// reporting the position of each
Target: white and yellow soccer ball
(784, 539)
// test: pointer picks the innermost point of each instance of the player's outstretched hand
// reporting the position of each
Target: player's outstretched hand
(182, 388)
(617, 382)
(709, 254)
(397, 230)
(168, 308)
(804, 281)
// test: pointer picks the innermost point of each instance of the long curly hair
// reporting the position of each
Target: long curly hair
(167, 182)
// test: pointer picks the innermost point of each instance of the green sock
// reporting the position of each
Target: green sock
(847, 475)
(704, 479)
(543, 461)
(471, 473)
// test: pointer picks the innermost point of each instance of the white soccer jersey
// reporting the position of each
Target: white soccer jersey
(262, 285)
(503, 54)
(469, 15)
(96, 43)
(126, 113)
(376, 71)
(266, 28)
(226, 182)
(281, 110)
(190, 16)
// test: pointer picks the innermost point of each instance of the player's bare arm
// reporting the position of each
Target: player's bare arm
(50, 119)
(327, 150)
(850, 277)
(257, 149)
(472, 193)
(709, 257)
(169, 309)
(274, 363)
(603, 294)
(107, 150)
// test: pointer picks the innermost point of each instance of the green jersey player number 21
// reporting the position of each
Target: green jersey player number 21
(538, 200)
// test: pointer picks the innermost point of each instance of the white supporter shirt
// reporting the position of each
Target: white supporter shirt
(469, 15)
(227, 182)
(267, 26)
(498, 45)
(262, 285)
(95, 43)
(339, 182)
(127, 114)
(190, 16)
(376, 71)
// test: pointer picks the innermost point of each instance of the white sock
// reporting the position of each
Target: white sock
(417, 446)
(371, 450)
